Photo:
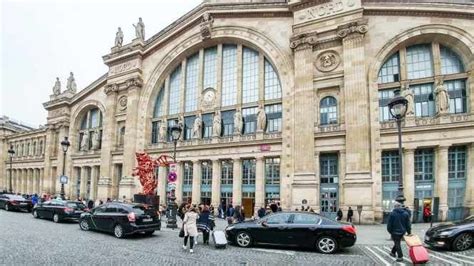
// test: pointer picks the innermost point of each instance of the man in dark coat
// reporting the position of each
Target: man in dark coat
(398, 225)
(350, 213)
(261, 212)
(339, 215)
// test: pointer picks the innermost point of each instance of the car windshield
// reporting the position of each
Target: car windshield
(75, 205)
(139, 210)
(16, 197)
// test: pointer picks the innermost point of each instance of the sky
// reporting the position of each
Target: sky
(45, 39)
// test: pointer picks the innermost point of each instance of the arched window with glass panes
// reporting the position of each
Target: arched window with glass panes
(419, 66)
(238, 77)
(90, 130)
(328, 110)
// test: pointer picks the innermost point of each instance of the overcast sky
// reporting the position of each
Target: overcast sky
(45, 39)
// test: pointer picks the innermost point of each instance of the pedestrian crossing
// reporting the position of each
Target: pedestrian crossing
(380, 254)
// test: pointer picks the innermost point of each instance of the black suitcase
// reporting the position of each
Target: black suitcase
(220, 241)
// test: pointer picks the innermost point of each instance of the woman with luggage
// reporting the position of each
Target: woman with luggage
(204, 223)
(190, 228)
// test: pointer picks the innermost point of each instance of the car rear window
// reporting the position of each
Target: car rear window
(75, 205)
(140, 210)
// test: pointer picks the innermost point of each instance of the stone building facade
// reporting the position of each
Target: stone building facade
(278, 100)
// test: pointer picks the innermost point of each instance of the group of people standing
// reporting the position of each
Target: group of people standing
(350, 213)
(195, 220)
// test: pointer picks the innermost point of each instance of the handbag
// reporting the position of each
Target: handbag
(181, 232)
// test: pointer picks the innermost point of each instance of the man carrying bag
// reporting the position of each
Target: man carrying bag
(398, 225)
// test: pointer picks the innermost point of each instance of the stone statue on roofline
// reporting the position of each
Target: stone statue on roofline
(140, 29)
(119, 38)
(71, 85)
(57, 87)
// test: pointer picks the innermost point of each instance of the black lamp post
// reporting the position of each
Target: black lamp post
(172, 206)
(398, 108)
(65, 145)
(11, 152)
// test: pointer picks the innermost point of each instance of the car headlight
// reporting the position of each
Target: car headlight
(445, 233)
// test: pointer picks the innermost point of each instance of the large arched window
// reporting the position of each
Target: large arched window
(90, 131)
(215, 78)
(328, 110)
(419, 66)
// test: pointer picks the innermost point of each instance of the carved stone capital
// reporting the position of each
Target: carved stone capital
(353, 28)
(304, 40)
(135, 83)
(111, 88)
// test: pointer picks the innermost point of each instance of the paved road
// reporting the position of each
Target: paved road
(25, 240)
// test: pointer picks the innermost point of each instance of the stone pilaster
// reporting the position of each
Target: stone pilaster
(342, 175)
(304, 180)
(408, 177)
(237, 182)
(216, 183)
(94, 181)
(196, 192)
(30, 184)
(130, 142)
(260, 183)
(108, 136)
(48, 178)
(178, 193)
(469, 198)
(441, 181)
(83, 188)
(162, 184)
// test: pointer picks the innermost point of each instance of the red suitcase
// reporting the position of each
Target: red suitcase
(418, 254)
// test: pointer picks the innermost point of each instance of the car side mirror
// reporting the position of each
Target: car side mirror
(264, 223)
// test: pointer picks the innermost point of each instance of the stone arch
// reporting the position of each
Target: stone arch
(77, 115)
(280, 59)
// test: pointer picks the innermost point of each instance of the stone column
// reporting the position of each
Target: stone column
(216, 183)
(304, 177)
(237, 182)
(441, 181)
(342, 175)
(37, 181)
(94, 180)
(162, 184)
(104, 184)
(30, 181)
(25, 181)
(130, 141)
(48, 177)
(260, 183)
(83, 188)
(178, 193)
(469, 194)
(409, 177)
(196, 191)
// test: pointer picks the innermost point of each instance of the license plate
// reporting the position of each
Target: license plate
(145, 220)
(23, 204)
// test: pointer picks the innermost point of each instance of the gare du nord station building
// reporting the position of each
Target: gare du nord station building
(278, 100)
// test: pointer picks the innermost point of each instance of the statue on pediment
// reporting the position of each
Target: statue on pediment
(197, 127)
(84, 142)
(140, 29)
(57, 87)
(96, 139)
(261, 118)
(119, 37)
(71, 85)
(442, 97)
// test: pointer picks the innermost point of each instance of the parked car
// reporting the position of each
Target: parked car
(455, 236)
(11, 202)
(293, 229)
(122, 219)
(59, 210)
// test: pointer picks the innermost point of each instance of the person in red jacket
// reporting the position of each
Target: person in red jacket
(427, 213)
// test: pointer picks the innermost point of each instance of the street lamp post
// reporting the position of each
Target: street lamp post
(65, 145)
(398, 107)
(11, 152)
(172, 206)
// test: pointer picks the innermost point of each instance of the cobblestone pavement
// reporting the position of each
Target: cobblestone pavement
(25, 240)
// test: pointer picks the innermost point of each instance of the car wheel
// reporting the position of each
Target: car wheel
(118, 231)
(35, 214)
(56, 218)
(326, 245)
(84, 225)
(243, 239)
(462, 242)
(149, 233)
(7, 208)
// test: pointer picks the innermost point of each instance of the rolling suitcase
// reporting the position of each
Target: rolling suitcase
(220, 241)
(418, 254)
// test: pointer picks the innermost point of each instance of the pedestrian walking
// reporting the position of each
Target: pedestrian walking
(350, 213)
(398, 225)
(261, 212)
(90, 204)
(339, 215)
(204, 223)
(190, 228)
(427, 213)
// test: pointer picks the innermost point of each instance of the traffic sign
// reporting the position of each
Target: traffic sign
(63, 179)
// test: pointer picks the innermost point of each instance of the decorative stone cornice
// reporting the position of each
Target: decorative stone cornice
(356, 27)
(304, 40)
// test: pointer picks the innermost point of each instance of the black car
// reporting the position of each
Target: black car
(11, 202)
(59, 210)
(293, 229)
(122, 219)
(456, 236)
